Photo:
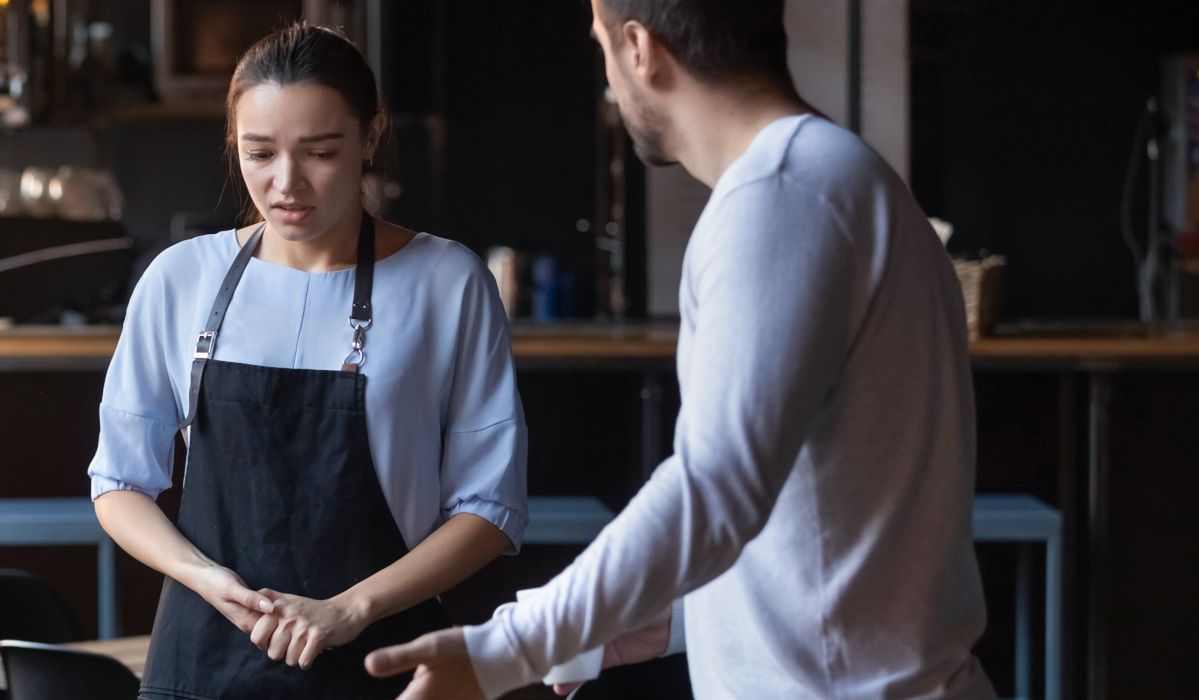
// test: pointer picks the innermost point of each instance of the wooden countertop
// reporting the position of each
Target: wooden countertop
(1182, 346)
(89, 348)
(130, 651)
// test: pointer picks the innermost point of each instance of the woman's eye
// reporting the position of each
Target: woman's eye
(258, 155)
(323, 155)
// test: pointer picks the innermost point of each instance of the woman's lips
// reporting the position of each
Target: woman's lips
(291, 213)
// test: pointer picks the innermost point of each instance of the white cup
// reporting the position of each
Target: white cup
(584, 667)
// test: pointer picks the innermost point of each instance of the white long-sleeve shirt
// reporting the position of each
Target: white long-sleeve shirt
(816, 510)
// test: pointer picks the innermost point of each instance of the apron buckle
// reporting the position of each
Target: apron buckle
(205, 345)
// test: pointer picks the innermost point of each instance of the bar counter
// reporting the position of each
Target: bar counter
(62, 348)
(90, 347)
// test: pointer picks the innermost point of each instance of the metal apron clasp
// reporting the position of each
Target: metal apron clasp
(357, 356)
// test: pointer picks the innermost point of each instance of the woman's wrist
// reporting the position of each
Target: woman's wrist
(189, 571)
(359, 606)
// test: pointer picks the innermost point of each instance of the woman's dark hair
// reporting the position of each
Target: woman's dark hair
(717, 41)
(302, 54)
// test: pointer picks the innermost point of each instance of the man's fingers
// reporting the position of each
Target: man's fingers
(389, 661)
(419, 688)
(565, 688)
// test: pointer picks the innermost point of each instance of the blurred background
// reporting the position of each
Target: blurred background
(1057, 141)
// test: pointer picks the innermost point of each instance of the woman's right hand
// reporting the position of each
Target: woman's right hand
(137, 524)
(225, 591)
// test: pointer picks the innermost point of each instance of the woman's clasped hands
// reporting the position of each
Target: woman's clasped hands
(299, 628)
(288, 628)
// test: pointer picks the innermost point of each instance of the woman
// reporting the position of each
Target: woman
(339, 475)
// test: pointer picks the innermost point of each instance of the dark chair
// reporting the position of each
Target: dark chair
(31, 611)
(47, 672)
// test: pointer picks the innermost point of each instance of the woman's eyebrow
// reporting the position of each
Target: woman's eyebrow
(327, 136)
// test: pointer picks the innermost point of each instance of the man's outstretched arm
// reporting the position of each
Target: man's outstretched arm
(770, 333)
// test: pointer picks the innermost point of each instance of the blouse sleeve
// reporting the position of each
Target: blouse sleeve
(139, 412)
(485, 443)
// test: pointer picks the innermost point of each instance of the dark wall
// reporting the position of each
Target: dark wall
(520, 101)
(1023, 114)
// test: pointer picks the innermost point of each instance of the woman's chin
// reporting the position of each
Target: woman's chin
(295, 232)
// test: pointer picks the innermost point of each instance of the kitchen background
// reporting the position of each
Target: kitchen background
(1020, 122)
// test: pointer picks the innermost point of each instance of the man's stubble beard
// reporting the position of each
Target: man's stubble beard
(646, 127)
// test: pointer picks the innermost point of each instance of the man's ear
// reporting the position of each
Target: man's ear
(647, 56)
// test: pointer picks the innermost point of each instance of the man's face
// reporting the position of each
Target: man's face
(645, 124)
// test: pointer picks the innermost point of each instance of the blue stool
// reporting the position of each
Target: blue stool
(565, 519)
(1025, 520)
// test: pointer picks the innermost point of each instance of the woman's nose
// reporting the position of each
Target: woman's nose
(290, 177)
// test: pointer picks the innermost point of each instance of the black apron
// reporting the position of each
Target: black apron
(281, 488)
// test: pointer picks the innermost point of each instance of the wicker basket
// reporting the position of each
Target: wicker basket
(981, 282)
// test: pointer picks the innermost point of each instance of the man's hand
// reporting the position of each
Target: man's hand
(443, 670)
(644, 644)
(301, 628)
(225, 591)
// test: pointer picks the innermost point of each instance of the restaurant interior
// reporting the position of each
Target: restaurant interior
(1055, 145)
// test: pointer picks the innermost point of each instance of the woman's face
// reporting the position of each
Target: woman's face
(301, 154)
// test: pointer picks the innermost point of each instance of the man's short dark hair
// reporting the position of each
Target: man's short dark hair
(716, 41)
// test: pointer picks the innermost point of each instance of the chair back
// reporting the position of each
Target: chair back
(47, 672)
(30, 610)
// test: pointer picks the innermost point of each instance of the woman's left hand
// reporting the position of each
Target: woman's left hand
(301, 628)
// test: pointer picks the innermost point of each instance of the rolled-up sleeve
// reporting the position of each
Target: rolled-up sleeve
(486, 441)
(135, 454)
(139, 410)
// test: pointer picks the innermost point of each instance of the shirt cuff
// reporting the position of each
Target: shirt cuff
(103, 484)
(508, 520)
(677, 643)
(495, 656)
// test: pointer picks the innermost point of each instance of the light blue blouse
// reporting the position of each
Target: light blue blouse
(444, 419)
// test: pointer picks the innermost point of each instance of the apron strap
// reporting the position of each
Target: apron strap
(364, 279)
(360, 313)
(364, 275)
(206, 342)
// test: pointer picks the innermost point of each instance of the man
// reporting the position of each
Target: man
(815, 515)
